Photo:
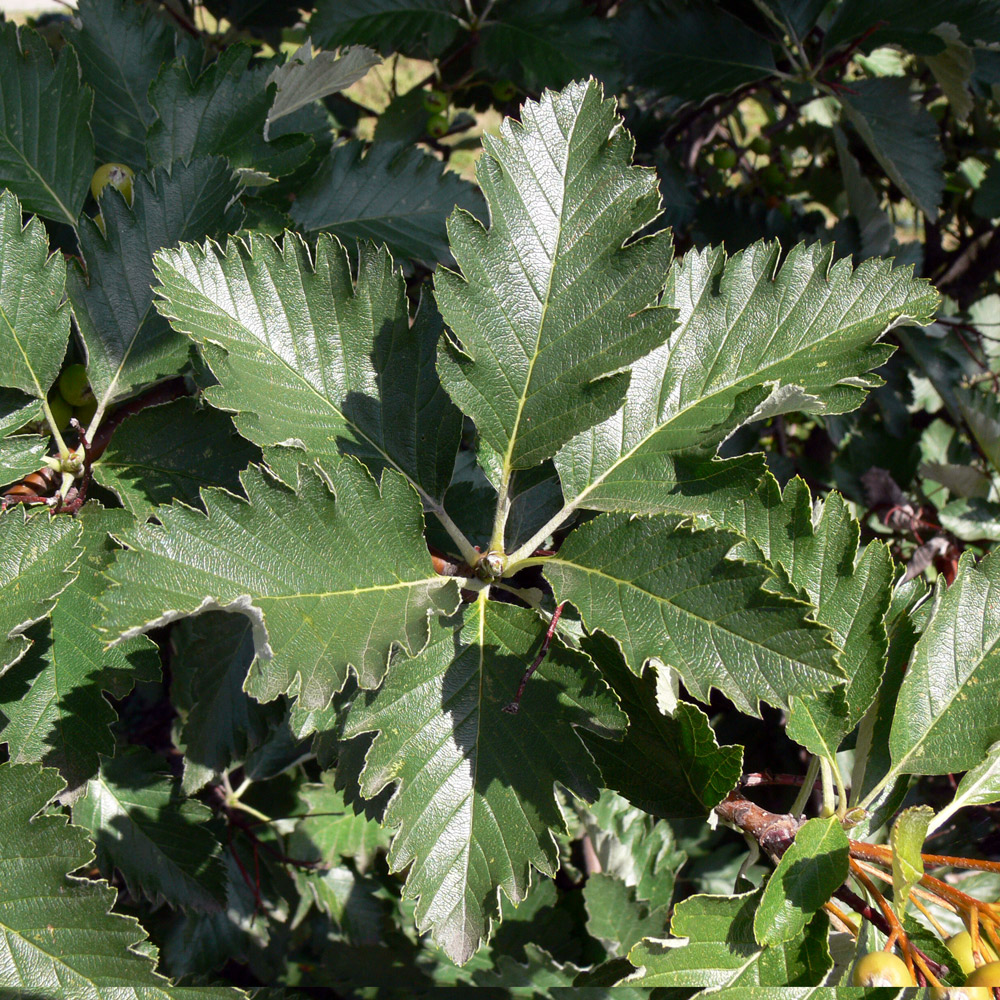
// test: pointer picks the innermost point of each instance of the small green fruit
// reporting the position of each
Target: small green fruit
(60, 409)
(85, 413)
(985, 975)
(74, 386)
(724, 158)
(504, 91)
(435, 101)
(437, 126)
(960, 945)
(882, 968)
(99, 222)
(961, 993)
(118, 175)
(761, 145)
(773, 177)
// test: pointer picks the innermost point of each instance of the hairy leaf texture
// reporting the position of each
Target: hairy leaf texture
(328, 584)
(665, 591)
(550, 307)
(475, 801)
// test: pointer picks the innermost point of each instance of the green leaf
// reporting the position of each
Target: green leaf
(750, 330)
(307, 571)
(676, 49)
(418, 27)
(902, 135)
(668, 765)
(17, 409)
(534, 977)
(20, 455)
(980, 786)
(971, 520)
(807, 875)
(211, 655)
(816, 551)
(166, 453)
(540, 289)
(443, 736)
(634, 847)
(665, 591)
(159, 841)
(907, 841)
(220, 112)
(37, 553)
(122, 47)
(945, 718)
(547, 45)
(722, 951)
(615, 917)
(394, 194)
(34, 320)
(332, 830)
(874, 225)
(308, 76)
(128, 344)
(46, 149)
(53, 699)
(59, 938)
(911, 25)
(981, 412)
(310, 360)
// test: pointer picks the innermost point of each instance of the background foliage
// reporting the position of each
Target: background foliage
(666, 351)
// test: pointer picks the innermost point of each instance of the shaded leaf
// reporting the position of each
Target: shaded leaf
(418, 27)
(634, 847)
(901, 135)
(122, 47)
(310, 360)
(547, 45)
(304, 569)
(46, 149)
(166, 453)
(442, 735)
(128, 344)
(159, 841)
(662, 590)
(332, 830)
(54, 698)
(675, 49)
(59, 938)
(668, 765)
(210, 657)
(394, 194)
(550, 301)
(220, 112)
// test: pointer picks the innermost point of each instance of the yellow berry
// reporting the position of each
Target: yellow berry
(881, 968)
(117, 175)
(985, 975)
(960, 945)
